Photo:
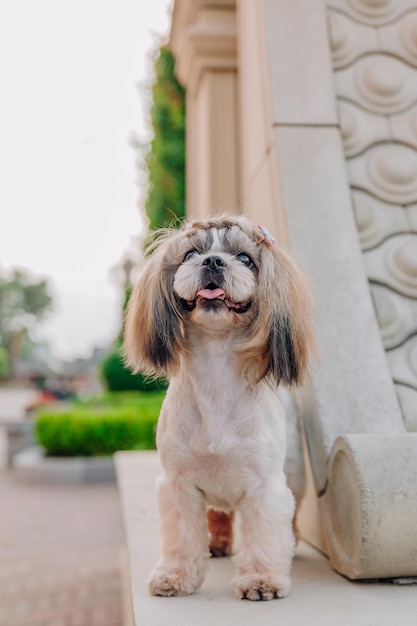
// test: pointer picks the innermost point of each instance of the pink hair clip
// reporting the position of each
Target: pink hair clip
(266, 237)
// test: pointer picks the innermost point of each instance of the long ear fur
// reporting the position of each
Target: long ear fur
(153, 334)
(281, 338)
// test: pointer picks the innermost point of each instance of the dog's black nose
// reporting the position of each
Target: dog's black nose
(214, 262)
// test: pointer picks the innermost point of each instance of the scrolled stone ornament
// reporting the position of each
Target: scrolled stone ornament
(389, 316)
(394, 264)
(408, 36)
(340, 40)
(372, 12)
(408, 403)
(401, 263)
(348, 39)
(383, 84)
(402, 362)
(377, 220)
(360, 129)
(392, 173)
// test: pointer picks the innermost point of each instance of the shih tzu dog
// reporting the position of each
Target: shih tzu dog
(226, 315)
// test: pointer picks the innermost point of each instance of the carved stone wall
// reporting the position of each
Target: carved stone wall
(374, 49)
(278, 116)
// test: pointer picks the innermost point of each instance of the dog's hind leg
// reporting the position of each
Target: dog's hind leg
(220, 526)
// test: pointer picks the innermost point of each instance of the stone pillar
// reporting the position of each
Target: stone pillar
(295, 170)
(203, 39)
(374, 53)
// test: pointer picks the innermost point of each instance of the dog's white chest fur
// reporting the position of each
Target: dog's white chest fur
(216, 432)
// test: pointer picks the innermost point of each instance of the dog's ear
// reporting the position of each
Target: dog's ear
(153, 331)
(281, 339)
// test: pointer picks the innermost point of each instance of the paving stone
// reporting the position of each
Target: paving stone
(60, 547)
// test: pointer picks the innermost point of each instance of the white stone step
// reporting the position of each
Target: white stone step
(319, 596)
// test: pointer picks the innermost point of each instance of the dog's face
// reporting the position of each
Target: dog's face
(221, 274)
(217, 280)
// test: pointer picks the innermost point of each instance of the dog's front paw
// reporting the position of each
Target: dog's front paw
(170, 583)
(169, 580)
(261, 586)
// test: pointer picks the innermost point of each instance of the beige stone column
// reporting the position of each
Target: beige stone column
(203, 39)
(361, 495)
(287, 146)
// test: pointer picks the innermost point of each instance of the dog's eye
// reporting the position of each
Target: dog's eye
(246, 260)
(190, 254)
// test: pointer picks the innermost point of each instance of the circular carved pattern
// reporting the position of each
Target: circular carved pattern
(401, 263)
(360, 129)
(372, 12)
(389, 317)
(373, 8)
(413, 123)
(350, 127)
(406, 259)
(393, 171)
(412, 357)
(366, 219)
(408, 402)
(377, 220)
(382, 82)
(408, 35)
(365, 214)
(396, 168)
(404, 126)
(339, 38)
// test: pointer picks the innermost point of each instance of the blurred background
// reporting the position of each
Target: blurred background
(93, 155)
(75, 132)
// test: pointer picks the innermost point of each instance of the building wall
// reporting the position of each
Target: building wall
(374, 52)
(274, 130)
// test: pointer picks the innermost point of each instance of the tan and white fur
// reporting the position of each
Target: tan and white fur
(226, 315)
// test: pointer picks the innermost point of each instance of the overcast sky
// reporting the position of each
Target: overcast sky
(70, 71)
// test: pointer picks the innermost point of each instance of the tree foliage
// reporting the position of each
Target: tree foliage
(165, 201)
(24, 301)
(4, 363)
(116, 376)
(165, 159)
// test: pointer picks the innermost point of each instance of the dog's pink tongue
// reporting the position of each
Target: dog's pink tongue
(211, 294)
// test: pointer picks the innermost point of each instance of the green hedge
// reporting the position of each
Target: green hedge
(138, 399)
(117, 377)
(95, 430)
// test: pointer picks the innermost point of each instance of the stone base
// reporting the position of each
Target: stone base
(32, 466)
(371, 530)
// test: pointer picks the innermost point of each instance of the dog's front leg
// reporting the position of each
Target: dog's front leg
(182, 566)
(267, 545)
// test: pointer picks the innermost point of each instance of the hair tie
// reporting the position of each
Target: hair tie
(266, 237)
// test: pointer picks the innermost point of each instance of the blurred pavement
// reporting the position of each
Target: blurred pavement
(60, 549)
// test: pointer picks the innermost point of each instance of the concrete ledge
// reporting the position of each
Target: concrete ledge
(19, 435)
(319, 595)
(32, 466)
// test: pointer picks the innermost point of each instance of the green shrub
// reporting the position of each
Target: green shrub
(117, 377)
(4, 363)
(84, 430)
(138, 399)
